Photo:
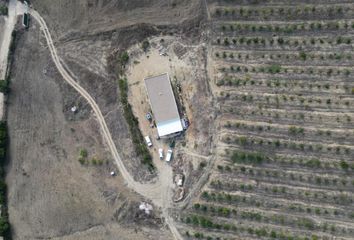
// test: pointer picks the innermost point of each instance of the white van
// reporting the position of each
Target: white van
(148, 141)
(161, 153)
(169, 155)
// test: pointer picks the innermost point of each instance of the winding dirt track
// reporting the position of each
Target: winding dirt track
(160, 192)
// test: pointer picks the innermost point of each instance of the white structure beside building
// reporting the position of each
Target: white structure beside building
(163, 105)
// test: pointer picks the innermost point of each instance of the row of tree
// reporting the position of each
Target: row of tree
(4, 222)
(138, 139)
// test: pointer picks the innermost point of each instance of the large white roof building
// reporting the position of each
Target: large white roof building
(163, 104)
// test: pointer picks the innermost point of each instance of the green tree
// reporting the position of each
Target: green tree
(4, 225)
(4, 86)
(344, 165)
(3, 9)
(303, 55)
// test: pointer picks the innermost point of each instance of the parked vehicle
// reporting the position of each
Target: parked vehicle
(169, 155)
(148, 116)
(185, 123)
(161, 153)
(148, 141)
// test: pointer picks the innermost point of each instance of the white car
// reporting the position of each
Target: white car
(169, 155)
(161, 153)
(148, 141)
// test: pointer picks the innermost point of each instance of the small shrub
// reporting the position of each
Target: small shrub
(124, 58)
(83, 153)
(242, 140)
(274, 69)
(303, 56)
(202, 165)
(145, 46)
(82, 160)
(226, 42)
(344, 165)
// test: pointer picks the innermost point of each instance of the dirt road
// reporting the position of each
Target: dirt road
(160, 191)
(14, 9)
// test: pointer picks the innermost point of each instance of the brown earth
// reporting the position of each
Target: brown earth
(51, 195)
(45, 179)
(86, 17)
(185, 65)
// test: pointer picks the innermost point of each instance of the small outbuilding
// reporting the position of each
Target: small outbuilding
(163, 105)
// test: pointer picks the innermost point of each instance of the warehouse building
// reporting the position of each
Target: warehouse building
(163, 105)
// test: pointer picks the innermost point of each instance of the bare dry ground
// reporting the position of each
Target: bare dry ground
(185, 64)
(87, 16)
(91, 52)
(282, 77)
(2, 23)
(51, 195)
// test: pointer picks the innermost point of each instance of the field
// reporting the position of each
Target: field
(46, 176)
(266, 85)
(282, 75)
(59, 182)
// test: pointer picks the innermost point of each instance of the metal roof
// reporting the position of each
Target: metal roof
(169, 127)
(163, 103)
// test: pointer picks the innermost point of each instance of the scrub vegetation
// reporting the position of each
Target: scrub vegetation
(137, 138)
